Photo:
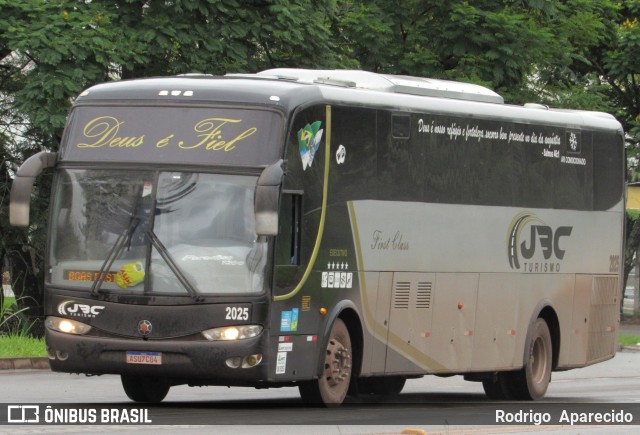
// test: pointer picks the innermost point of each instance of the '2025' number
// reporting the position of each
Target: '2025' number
(237, 313)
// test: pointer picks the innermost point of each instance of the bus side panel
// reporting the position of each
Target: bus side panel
(596, 317)
(496, 322)
(454, 316)
(580, 322)
(604, 315)
(376, 291)
(537, 291)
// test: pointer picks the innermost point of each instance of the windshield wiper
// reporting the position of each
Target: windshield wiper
(114, 253)
(164, 253)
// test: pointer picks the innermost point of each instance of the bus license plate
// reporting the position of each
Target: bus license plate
(154, 358)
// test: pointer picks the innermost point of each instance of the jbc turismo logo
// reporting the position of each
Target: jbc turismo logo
(536, 243)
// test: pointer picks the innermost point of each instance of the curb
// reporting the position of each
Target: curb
(35, 363)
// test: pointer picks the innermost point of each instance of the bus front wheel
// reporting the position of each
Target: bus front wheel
(330, 389)
(145, 389)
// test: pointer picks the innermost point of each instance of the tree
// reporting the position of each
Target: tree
(51, 50)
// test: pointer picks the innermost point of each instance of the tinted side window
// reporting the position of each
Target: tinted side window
(608, 170)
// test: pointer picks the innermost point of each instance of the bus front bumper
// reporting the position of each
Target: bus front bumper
(232, 363)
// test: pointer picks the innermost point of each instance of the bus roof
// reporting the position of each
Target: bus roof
(286, 89)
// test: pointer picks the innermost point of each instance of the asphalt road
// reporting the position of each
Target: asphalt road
(436, 405)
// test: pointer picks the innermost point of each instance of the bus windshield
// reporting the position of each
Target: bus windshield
(201, 225)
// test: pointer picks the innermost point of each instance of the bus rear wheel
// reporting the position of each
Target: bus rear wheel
(330, 389)
(145, 389)
(499, 387)
(532, 381)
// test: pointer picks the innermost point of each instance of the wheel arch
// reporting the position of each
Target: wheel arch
(348, 313)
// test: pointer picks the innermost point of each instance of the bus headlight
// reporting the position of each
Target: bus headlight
(67, 326)
(231, 333)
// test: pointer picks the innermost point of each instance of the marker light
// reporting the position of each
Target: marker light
(231, 333)
(66, 326)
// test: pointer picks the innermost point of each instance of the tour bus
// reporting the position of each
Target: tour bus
(339, 231)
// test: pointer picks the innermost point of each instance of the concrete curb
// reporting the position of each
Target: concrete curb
(37, 363)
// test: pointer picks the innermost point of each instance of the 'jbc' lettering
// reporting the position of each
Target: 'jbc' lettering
(549, 242)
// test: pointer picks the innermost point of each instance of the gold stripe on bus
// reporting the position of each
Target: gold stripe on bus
(323, 213)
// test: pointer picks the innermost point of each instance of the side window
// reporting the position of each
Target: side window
(608, 170)
(289, 231)
(400, 126)
(401, 160)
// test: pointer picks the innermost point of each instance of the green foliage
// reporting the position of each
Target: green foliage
(628, 340)
(13, 320)
(632, 242)
(51, 50)
(15, 346)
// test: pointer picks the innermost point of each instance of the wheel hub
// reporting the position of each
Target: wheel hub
(337, 363)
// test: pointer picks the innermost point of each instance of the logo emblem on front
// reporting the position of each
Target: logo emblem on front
(144, 327)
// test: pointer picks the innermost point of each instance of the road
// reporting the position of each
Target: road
(436, 405)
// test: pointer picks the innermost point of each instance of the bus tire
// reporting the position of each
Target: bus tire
(145, 389)
(499, 387)
(381, 386)
(330, 389)
(532, 381)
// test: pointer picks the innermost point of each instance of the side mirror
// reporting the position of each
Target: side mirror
(23, 183)
(266, 202)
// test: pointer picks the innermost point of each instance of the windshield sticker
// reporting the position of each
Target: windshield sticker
(281, 363)
(130, 274)
(309, 139)
(147, 189)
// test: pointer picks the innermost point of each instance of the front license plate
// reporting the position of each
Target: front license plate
(154, 358)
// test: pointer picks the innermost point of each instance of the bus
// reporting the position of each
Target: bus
(333, 230)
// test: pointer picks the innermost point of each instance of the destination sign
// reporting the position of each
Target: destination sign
(88, 275)
(189, 135)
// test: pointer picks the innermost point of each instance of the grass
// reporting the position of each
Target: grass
(15, 346)
(7, 303)
(628, 340)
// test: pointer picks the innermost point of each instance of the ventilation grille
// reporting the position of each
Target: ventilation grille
(401, 295)
(423, 297)
(406, 295)
(603, 317)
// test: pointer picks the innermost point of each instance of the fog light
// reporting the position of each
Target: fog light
(234, 362)
(251, 361)
(67, 326)
(62, 355)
